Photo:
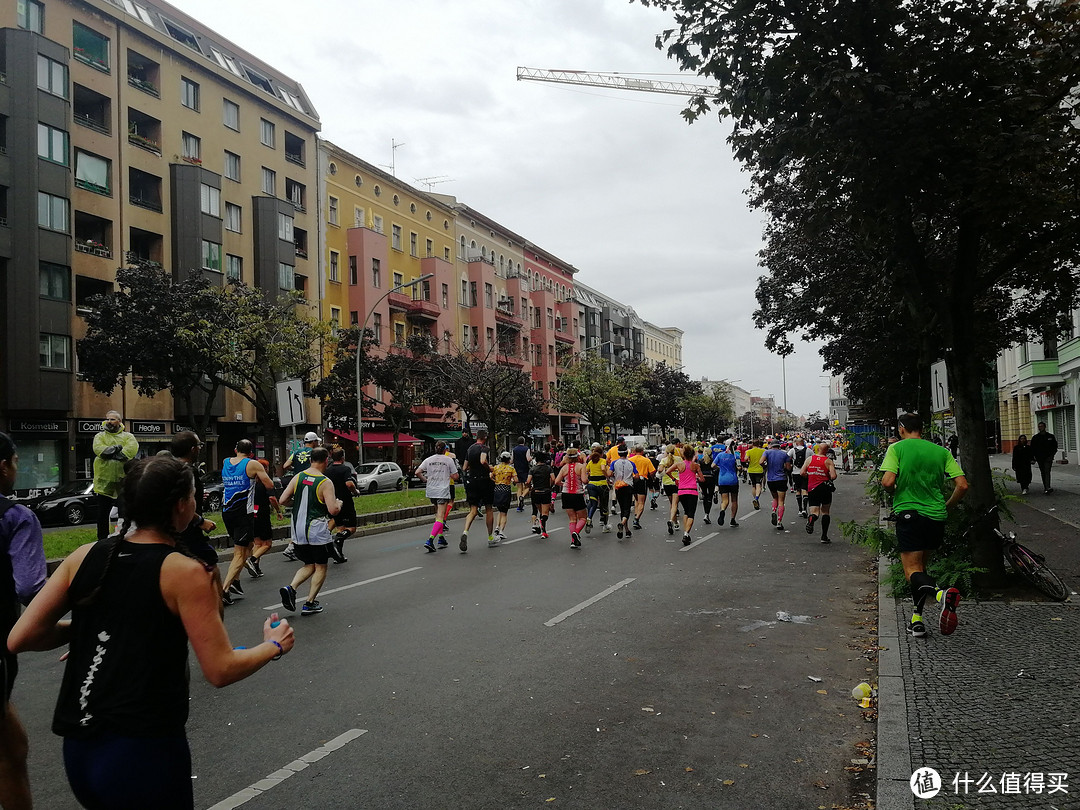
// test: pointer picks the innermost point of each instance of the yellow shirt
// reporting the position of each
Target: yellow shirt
(597, 471)
(503, 474)
(753, 460)
(644, 466)
(612, 453)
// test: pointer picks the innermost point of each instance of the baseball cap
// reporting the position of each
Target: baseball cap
(504, 456)
(310, 436)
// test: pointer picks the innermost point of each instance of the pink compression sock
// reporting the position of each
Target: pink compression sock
(780, 514)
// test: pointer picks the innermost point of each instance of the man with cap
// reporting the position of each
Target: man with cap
(300, 460)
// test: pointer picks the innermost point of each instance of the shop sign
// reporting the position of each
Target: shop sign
(570, 427)
(180, 427)
(89, 425)
(144, 428)
(39, 425)
(1054, 398)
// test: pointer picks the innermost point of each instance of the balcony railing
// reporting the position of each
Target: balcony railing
(294, 158)
(94, 187)
(97, 126)
(143, 202)
(94, 249)
(419, 308)
(144, 85)
(149, 144)
(82, 56)
(399, 301)
(301, 251)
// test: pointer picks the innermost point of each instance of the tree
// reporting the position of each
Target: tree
(667, 388)
(337, 389)
(636, 411)
(939, 136)
(405, 377)
(706, 414)
(590, 388)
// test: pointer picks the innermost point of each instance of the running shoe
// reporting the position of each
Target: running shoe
(606, 529)
(536, 530)
(226, 598)
(734, 524)
(237, 588)
(544, 534)
(949, 602)
(463, 544)
(720, 517)
(575, 540)
(780, 527)
(916, 629)
(288, 553)
(707, 519)
(637, 525)
(311, 608)
(588, 526)
(756, 504)
(335, 553)
(652, 504)
(288, 597)
(629, 534)
(716, 498)
(670, 527)
(686, 539)
(809, 527)
(442, 541)
(493, 540)
(619, 532)
(251, 565)
(826, 539)
(773, 517)
(429, 546)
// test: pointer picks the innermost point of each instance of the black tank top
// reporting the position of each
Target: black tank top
(127, 671)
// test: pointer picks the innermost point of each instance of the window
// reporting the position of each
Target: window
(181, 35)
(232, 166)
(143, 73)
(90, 47)
(211, 256)
(192, 148)
(395, 237)
(189, 94)
(488, 296)
(234, 267)
(294, 150)
(465, 338)
(332, 215)
(399, 333)
(353, 280)
(52, 212)
(446, 253)
(286, 276)
(357, 217)
(412, 244)
(54, 351)
(296, 193)
(333, 273)
(285, 227)
(354, 318)
(376, 223)
(335, 317)
(399, 279)
(475, 339)
(550, 319)
(226, 62)
(266, 133)
(300, 242)
(52, 144)
(376, 328)
(376, 273)
(210, 200)
(233, 216)
(463, 299)
(52, 76)
(429, 248)
(231, 114)
(445, 296)
(32, 16)
(490, 339)
(144, 189)
(55, 281)
(269, 181)
(259, 80)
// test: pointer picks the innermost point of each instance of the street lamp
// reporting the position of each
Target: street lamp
(359, 346)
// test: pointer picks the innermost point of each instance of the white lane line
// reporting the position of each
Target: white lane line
(528, 536)
(576, 608)
(356, 584)
(277, 777)
(699, 542)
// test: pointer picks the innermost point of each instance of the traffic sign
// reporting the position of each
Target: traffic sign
(607, 428)
(290, 403)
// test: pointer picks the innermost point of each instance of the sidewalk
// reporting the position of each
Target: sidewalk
(993, 708)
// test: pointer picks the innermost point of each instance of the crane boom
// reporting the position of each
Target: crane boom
(614, 81)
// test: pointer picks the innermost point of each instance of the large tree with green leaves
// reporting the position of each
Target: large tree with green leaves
(939, 135)
(589, 387)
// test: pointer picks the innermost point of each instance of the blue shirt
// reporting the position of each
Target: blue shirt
(20, 536)
(774, 461)
(239, 494)
(727, 466)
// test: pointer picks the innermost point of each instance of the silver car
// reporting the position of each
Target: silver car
(379, 475)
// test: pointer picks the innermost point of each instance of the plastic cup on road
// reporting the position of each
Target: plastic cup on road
(863, 690)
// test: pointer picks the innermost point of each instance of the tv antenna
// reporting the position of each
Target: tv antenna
(434, 180)
(392, 166)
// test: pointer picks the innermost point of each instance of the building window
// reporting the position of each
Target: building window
(192, 148)
(52, 76)
(332, 214)
(429, 248)
(189, 94)
(446, 253)
(446, 296)
(354, 317)
(32, 16)
(353, 280)
(234, 267)
(465, 338)
(226, 62)
(266, 133)
(550, 319)
(90, 47)
(413, 239)
(52, 144)
(399, 280)
(232, 217)
(210, 200)
(211, 256)
(488, 296)
(286, 276)
(395, 237)
(358, 217)
(52, 212)
(464, 298)
(92, 173)
(285, 227)
(295, 192)
(490, 339)
(472, 294)
(232, 166)
(55, 281)
(335, 317)
(376, 273)
(54, 351)
(335, 258)
(269, 181)
(475, 339)
(181, 35)
(399, 333)
(231, 114)
(294, 150)
(376, 328)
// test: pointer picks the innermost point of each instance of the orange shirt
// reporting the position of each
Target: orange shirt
(644, 466)
(613, 453)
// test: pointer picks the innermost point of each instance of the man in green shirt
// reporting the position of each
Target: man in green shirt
(912, 471)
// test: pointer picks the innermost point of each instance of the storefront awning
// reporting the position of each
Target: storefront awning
(441, 435)
(376, 438)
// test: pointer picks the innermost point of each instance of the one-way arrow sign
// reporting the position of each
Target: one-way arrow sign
(290, 403)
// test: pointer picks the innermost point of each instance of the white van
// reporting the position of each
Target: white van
(634, 441)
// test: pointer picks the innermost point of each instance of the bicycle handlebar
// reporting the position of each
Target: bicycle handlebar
(976, 521)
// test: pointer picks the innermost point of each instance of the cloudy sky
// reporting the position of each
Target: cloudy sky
(651, 210)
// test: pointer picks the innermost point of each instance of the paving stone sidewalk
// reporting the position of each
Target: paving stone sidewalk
(1000, 697)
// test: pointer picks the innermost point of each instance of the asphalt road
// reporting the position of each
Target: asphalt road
(493, 680)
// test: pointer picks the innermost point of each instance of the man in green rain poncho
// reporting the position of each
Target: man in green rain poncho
(113, 448)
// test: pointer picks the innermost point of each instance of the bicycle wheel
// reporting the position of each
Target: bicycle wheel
(1024, 563)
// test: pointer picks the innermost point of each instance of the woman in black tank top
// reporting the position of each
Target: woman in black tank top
(135, 603)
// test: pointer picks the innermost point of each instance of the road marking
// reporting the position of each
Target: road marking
(577, 608)
(356, 584)
(277, 777)
(699, 542)
(526, 537)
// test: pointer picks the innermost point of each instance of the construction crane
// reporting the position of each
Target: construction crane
(615, 81)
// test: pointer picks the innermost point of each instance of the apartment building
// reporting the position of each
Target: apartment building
(663, 345)
(610, 328)
(129, 128)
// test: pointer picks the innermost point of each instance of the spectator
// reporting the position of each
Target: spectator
(1044, 447)
(1022, 459)
(113, 448)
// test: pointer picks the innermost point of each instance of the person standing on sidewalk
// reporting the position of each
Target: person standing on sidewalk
(1022, 459)
(912, 473)
(1044, 447)
(113, 448)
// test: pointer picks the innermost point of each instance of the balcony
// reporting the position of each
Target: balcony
(566, 337)
(420, 309)
(400, 301)
(94, 249)
(505, 316)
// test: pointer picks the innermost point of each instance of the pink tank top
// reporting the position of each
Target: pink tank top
(572, 482)
(688, 483)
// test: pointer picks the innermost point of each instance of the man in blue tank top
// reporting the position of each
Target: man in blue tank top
(238, 475)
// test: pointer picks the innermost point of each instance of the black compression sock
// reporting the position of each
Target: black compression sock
(922, 585)
(825, 521)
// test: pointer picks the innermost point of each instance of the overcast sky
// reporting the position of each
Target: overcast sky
(649, 209)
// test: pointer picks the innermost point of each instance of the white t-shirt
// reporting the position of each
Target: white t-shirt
(438, 471)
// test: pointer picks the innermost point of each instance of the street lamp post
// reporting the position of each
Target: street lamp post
(359, 347)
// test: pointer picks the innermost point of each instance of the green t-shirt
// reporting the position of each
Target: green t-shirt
(753, 460)
(919, 466)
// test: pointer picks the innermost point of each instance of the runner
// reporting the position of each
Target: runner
(479, 489)
(504, 477)
(776, 464)
(798, 454)
(343, 476)
(522, 458)
(238, 475)
(315, 503)
(654, 479)
(689, 477)
(614, 451)
(572, 477)
(539, 483)
(819, 472)
(670, 483)
(623, 474)
(727, 482)
(754, 469)
(438, 472)
(596, 468)
(743, 449)
(263, 529)
(708, 480)
(646, 475)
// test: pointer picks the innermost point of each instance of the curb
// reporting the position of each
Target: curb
(893, 745)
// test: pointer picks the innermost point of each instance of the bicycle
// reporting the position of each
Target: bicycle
(1025, 562)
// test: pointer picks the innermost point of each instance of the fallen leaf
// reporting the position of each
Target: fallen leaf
(641, 772)
(822, 649)
(823, 691)
(1055, 619)
(743, 765)
(797, 760)
(729, 782)
(689, 770)
(755, 735)
(551, 799)
(821, 784)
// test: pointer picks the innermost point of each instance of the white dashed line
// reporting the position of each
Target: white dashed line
(699, 542)
(576, 608)
(355, 585)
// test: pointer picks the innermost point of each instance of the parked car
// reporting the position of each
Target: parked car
(377, 475)
(73, 504)
(213, 492)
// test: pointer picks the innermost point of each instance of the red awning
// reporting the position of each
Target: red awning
(376, 438)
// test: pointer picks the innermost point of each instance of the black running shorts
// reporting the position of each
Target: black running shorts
(819, 496)
(688, 503)
(573, 500)
(915, 532)
(777, 486)
(313, 555)
(239, 525)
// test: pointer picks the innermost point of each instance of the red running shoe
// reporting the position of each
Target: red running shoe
(949, 603)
